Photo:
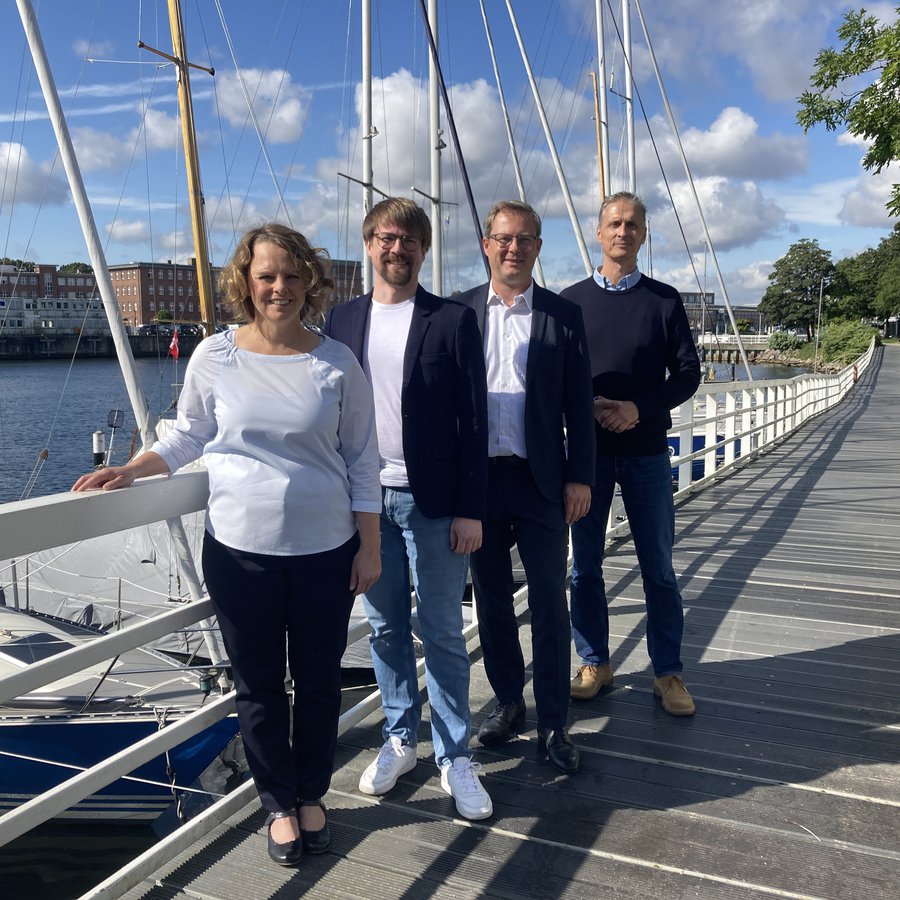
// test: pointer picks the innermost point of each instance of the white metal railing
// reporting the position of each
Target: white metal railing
(737, 420)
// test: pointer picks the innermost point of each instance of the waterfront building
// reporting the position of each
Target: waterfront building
(707, 318)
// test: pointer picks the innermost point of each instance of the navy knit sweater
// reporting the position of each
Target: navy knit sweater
(635, 337)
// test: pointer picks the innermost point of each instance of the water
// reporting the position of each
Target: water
(55, 404)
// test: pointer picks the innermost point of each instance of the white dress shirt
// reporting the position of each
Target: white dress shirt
(507, 333)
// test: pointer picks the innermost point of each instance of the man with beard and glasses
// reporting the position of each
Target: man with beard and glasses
(423, 357)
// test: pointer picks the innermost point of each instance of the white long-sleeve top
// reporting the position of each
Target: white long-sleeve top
(289, 441)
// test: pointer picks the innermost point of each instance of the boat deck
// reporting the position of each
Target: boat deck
(785, 783)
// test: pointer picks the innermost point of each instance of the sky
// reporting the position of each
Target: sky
(731, 70)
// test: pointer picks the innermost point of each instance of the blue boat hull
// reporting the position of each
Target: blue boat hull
(36, 756)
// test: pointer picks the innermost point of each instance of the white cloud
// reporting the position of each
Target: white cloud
(93, 49)
(161, 131)
(864, 202)
(737, 214)
(25, 181)
(134, 232)
(280, 105)
(98, 151)
(732, 146)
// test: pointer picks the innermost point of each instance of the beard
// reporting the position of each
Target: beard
(397, 271)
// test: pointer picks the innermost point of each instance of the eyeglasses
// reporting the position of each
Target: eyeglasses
(525, 241)
(387, 240)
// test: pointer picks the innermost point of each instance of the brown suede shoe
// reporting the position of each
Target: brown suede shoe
(589, 680)
(676, 700)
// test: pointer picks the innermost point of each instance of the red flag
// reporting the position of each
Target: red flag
(173, 347)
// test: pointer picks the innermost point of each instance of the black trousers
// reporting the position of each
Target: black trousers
(519, 514)
(276, 611)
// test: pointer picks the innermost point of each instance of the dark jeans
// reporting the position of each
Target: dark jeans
(646, 483)
(276, 611)
(519, 514)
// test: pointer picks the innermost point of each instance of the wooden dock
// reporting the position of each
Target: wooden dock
(785, 784)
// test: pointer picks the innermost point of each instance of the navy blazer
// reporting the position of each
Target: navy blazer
(559, 406)
(443, 401)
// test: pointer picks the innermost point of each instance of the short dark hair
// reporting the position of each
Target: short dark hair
(511, 206)
(406, 214)
(310, 263)
(628, 196)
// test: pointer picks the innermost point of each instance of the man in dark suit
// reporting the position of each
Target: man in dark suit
(423, 357)
(541, 454)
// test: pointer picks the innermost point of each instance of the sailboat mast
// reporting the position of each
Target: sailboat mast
(368, 173)
(605, 186)
(690, 181)
(629, 95)
(434, 134)
(88, 225)
(513, 153)
(563, 184)
(195, 191)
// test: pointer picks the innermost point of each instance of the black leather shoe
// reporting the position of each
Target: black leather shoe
(315, 841)
(505, 720)
(557, 746)
(289, 853)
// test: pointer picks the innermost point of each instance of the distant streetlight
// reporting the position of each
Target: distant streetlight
(818, 325)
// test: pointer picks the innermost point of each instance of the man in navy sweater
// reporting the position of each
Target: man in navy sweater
(637, 332)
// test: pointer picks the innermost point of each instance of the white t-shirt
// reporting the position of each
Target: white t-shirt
(289, 441)
(383, 354)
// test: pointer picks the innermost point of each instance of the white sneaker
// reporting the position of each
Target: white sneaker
(460, 780)
(394, 759)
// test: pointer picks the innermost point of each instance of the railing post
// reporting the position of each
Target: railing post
(709, 458)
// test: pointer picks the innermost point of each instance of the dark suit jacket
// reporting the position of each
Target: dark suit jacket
(443, 401)
(557, 392)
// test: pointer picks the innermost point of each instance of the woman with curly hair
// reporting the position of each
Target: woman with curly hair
(284, 417)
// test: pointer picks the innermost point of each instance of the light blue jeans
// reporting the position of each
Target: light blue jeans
(409, 540)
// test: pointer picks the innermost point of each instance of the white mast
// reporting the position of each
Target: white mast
(570, 206)
(434, 135)
(690, 181)
(368, 134)
(88, 225)
(606, 187)
(539, 272)
(629, 92)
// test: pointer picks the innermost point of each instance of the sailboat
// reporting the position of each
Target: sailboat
(93, 713)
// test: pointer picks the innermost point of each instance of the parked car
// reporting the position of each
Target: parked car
(163, 329)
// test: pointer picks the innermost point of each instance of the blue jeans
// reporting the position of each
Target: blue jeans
(409, 540)
(646, 483)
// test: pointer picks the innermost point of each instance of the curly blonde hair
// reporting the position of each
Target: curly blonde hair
(310, 262)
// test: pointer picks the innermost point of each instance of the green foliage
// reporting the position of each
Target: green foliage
(743, 325)
(76, 268)
(845, 341)
(887, 297)
(858, 88)
(163, 315)
(25, 265)
(792, 299)
(782, 340)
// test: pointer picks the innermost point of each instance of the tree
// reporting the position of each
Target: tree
(792, 299)
(887, 298)
(858, 87)
(163, 315)
(76, 268)
(23, 265)
(743, 325)
(853, 289)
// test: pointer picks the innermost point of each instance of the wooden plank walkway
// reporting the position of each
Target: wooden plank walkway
(785, 783)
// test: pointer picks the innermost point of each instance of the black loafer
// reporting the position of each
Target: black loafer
(557, 746)
(315, 841)
(289, 853)
(506, 719)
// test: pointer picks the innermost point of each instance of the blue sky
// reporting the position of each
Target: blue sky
(732, 71)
